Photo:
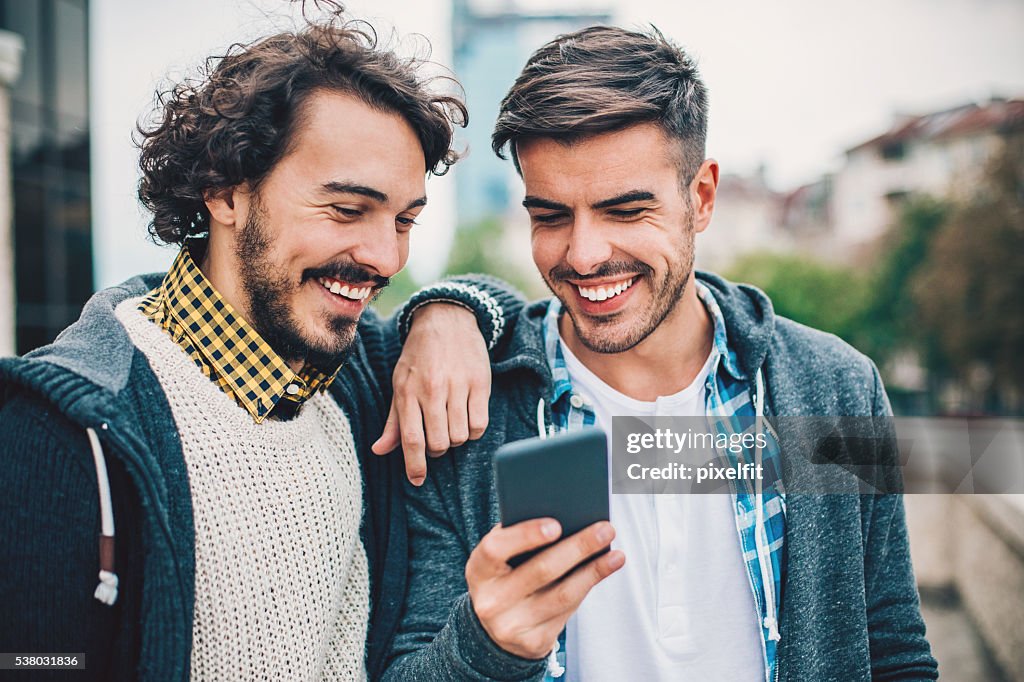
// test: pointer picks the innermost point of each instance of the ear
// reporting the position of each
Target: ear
(227, 207)
(703, 189)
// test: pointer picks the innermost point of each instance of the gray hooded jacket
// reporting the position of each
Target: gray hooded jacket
(850, 608)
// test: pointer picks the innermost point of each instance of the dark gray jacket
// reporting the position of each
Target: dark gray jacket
(850, 607)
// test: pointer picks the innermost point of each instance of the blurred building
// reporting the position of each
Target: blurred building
(746, 220)
(491, 42)
(49, 168)
(941, 154)
(11, 47)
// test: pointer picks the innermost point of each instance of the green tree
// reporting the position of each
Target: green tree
(825, 297)
(891, 320)
(478, 248)
(968, 291)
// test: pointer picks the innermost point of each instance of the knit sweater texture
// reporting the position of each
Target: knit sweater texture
(277, 507)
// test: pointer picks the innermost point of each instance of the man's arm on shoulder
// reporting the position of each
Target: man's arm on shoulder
(493, 302)
(440, 637)
(441, 381)
(896, 630)
(49, 529)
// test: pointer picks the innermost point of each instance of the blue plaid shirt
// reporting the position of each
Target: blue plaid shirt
(729, 403)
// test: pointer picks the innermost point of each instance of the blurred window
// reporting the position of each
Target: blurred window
(50, 166)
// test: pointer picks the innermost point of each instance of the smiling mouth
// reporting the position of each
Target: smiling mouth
(605, 291)
(338, 288)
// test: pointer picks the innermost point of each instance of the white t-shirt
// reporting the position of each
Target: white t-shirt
(682, 607)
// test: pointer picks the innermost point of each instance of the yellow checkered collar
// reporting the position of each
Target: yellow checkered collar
(226, 347)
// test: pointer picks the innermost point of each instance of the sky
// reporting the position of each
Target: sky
(792, 83)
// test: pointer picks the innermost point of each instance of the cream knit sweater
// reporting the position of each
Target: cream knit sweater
(282, 584)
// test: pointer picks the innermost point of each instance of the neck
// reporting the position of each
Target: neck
(665, 362)
(218, 264)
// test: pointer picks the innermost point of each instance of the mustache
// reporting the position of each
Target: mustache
(563, 271)
(346, 271)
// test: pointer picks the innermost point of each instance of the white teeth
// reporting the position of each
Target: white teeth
(349, 292)
(605, 292)
(354, 293)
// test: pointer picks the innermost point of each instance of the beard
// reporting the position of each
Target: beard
(615, 333)
(268, 288)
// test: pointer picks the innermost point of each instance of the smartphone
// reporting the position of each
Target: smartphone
(564, 477)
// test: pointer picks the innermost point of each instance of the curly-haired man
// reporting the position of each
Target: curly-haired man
(208, 412)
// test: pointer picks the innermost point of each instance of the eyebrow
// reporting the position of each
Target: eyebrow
(628, 197)
(335, 187)
(537, 202)
(633, 195)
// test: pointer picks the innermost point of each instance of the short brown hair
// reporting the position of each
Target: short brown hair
(601, 79)
(236, 121)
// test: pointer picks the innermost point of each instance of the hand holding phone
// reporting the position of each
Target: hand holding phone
(524, 609)
(547, 489)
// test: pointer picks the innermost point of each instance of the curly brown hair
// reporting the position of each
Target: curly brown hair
(234, 122)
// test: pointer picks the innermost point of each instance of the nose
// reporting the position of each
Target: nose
(588, 246)
(381, 249)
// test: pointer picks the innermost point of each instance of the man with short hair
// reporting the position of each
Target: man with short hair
(607, 129)
(220, 417)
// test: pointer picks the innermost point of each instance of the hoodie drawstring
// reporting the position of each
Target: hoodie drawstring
(760, 534)
(541, 427)
(106, 591)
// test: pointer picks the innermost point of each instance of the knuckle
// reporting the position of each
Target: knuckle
(564, 597)
(588, 542)
(486, 607)
(434, 385)
(437, 445)
(412, 440)
(547, 570)
(486, 550)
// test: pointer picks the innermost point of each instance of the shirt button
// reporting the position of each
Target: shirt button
(576, 400)
(292, 389)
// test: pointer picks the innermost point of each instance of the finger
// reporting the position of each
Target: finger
(390, 438)
(490, 557)
(478, 412)
(555, 604)
(458, 417)
(435, 423)
(411, 428)
(554, 562)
